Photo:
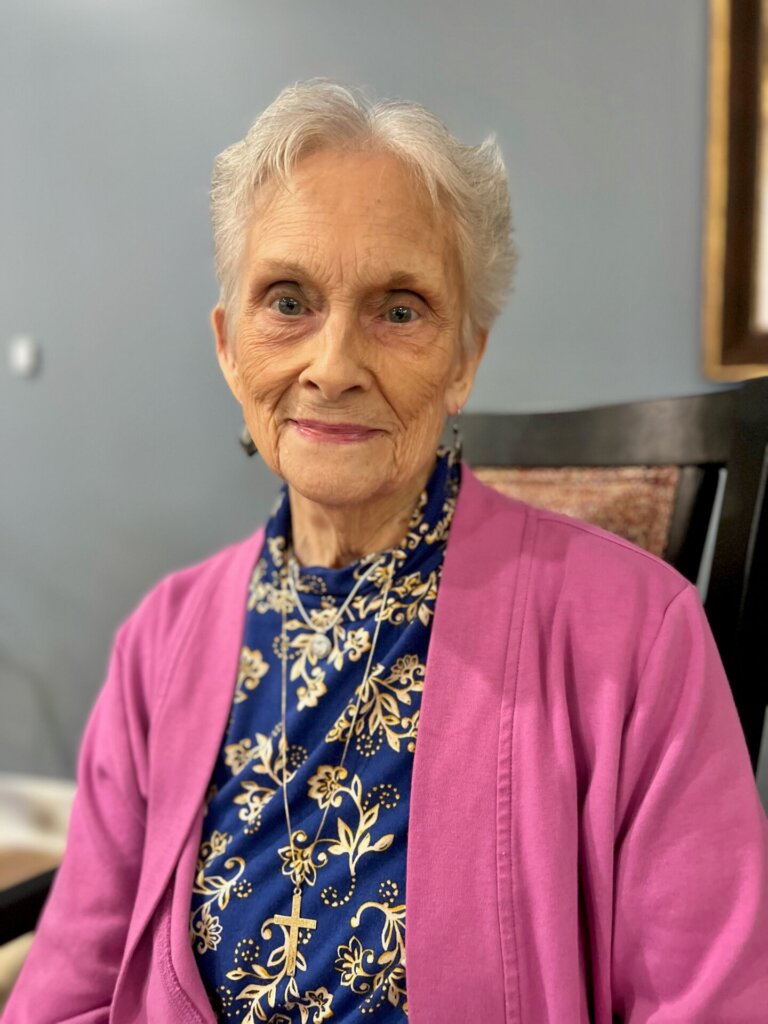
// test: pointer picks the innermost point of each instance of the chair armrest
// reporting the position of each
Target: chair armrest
(20, 905)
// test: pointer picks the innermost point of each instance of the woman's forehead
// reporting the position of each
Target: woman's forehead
(362, 191)
(359, 212)
(348, 176)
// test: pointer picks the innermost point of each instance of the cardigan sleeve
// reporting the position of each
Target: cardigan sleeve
(690, 920)
(70, 972)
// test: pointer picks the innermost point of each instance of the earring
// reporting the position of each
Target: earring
(458, 443)
(247, 441)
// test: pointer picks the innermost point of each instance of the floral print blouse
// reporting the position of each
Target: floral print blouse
(348, 961)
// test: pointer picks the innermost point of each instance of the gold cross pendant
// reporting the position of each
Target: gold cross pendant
(294, 922)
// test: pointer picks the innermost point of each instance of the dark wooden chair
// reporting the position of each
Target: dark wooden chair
(20, 905)
(682, 477)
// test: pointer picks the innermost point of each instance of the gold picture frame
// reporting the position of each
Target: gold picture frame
(735, 265)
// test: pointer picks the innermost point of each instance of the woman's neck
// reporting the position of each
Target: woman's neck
(337, 536)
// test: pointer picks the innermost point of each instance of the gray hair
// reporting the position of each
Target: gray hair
(320, 114)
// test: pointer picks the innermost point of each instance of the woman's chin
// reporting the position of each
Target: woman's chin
(336, 475)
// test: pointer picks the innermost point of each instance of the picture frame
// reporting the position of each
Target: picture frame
(735, 258)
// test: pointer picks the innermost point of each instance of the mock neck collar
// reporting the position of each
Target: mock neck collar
(427, 532)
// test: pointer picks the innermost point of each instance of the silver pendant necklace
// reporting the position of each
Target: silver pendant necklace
(320, 644)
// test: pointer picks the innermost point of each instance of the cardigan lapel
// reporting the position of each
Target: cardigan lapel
(186, 730)
(459, 935)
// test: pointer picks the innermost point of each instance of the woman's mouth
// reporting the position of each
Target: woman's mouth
(336, 433)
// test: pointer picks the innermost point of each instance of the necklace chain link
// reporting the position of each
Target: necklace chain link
(291, 578)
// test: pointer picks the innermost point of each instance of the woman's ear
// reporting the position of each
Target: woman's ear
(464, 377)
(224, 352)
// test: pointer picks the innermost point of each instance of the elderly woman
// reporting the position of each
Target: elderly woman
(412, 750)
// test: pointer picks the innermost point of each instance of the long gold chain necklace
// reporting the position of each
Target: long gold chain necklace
(295, 920)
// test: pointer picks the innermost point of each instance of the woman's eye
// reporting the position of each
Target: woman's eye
(288, 305)
(402, 314)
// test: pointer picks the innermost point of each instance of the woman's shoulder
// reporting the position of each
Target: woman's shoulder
(182, 594)
(588, 595)
(570, 553)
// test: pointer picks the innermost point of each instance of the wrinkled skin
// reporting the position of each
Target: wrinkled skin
(324, 334)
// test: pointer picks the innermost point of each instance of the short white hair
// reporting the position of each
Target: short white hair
(321, 114)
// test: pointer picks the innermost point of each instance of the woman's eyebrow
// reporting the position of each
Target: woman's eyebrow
(405, 279)
(397, 279)
(283, 267)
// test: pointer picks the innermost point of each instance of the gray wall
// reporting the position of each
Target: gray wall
(120, 461)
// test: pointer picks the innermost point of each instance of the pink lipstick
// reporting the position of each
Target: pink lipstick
(338, 433)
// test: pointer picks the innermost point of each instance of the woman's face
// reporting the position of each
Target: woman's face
(345, 355)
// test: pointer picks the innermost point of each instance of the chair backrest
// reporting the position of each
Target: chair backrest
(655, 472)
(648, 505)
(737, 597)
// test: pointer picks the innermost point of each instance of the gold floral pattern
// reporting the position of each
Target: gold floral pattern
(350, 842)
(253, 668)
(264, 761)
(376, 977)
(205, 928)
(345, 847)
(379, 716)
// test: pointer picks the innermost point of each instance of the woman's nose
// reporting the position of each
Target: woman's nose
(336, 363)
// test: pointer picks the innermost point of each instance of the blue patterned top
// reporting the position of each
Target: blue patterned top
(350, 956)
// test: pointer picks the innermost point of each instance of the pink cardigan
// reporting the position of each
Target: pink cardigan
(586, 841)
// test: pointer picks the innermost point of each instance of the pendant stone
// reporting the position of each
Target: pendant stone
(320, 645)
